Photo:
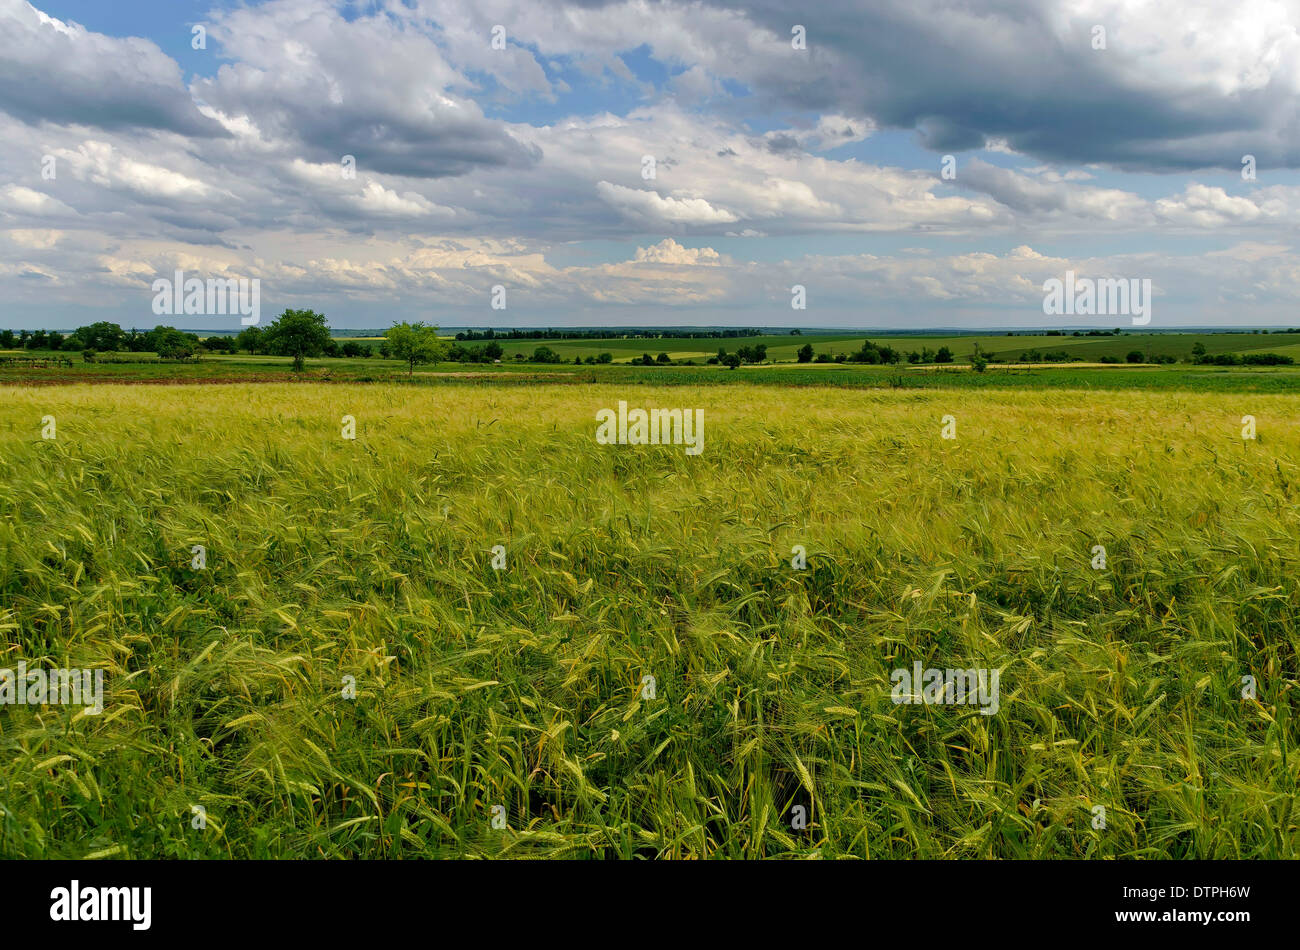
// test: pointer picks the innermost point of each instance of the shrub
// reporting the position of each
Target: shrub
(1267, 359)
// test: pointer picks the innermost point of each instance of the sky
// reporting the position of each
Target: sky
(904, 163)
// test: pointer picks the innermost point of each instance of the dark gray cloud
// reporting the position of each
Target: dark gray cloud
(378, 88)
(51, 72)
(1178, 87)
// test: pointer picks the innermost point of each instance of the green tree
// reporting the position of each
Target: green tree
(414, 343)
(805, 352)
(298, 333)
(102, 336)
(249, 340)
(171, 344)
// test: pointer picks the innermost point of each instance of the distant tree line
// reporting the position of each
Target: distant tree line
(1201, 358)
(471, 336)
(104, 337)
(295, 333)
(875, 354)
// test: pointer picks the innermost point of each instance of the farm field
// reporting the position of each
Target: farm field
(779, 369)
(370, 560)
(277, 370)
(784, 347)
(780, 349)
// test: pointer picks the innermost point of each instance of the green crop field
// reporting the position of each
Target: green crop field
(784, 347)
(475, 630)
(1005, 352)
(1006, 347)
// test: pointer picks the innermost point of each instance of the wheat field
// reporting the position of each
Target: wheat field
(350, 676)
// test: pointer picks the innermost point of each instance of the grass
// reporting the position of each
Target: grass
(784, 347)
(272, 369)
(522, 688)
(962, 346)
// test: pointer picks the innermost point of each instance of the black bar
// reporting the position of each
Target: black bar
(364, 900)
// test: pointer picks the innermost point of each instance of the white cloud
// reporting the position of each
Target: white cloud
(650, 205)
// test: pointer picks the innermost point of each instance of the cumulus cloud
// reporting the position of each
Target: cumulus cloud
(57, 72)
(28, 201)
(388, 152)
(375, 87)
(1180, 84)
(662, 209)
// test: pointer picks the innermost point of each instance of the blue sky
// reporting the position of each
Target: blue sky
(129, 155)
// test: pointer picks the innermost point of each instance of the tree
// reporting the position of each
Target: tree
(415, 343)
(663, 359)
(944, 355)
(249, 340)
(171, 344)
(805, 352)
(103, 336)
(1134, 356)
(298, 333)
